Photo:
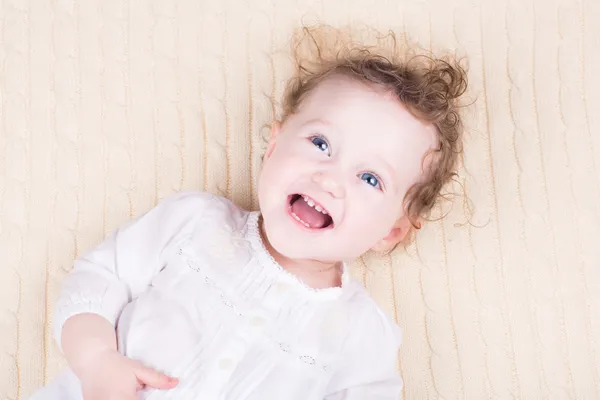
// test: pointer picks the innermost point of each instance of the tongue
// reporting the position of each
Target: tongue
(308, 214)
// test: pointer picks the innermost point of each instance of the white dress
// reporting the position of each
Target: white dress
(194, 293)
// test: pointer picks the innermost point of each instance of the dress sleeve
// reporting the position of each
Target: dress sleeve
(369, 368)
(118, 270)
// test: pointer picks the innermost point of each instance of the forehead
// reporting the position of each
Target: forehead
(372, 119)
(349, 102)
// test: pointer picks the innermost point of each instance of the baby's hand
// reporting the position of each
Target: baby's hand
(111, 376)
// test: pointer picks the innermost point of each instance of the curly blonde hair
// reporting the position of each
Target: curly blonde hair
(428, 87)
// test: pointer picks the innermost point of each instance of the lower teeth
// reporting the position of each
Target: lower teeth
(299, 220)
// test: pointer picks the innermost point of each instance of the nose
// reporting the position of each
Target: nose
(330, 184)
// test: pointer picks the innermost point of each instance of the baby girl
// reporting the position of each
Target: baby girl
(199, 299)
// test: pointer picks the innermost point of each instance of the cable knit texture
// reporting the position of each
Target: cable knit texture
(108, 106)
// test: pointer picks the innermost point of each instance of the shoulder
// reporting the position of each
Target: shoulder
(189, 200)
(184, 210)
(203, 214)
(198, 204)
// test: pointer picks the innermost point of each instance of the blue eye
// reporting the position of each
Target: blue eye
(320, 143)
(370, 179)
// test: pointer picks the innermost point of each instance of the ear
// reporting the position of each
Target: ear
(397, 234)
(275, 129)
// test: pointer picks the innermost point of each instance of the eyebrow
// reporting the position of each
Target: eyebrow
(319, 121)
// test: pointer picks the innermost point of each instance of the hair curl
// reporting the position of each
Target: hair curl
(428, 87)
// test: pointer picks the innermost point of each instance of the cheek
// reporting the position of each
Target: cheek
(378, 219)
(284, 163)
(276, 174)
(378, 226)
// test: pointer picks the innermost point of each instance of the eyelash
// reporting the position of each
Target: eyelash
(316, 138)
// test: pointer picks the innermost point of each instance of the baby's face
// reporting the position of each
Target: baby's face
(335, 173)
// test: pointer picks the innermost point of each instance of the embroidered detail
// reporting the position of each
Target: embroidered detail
(284, 347)
(209, 282)
(91, 304)
(308, 360)
(81, 296)
(226, 302)
(193, 266)
(254, 238)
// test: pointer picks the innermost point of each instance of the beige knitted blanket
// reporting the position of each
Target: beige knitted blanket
(107, 106)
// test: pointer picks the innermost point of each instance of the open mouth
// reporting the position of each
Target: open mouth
(308, 212)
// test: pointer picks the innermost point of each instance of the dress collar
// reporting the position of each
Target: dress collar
(264, 257)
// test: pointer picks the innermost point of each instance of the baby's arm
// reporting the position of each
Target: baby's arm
(84, 338)
(104, 280)
(89, 345)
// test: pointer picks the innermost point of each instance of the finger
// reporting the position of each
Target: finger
(153, 378)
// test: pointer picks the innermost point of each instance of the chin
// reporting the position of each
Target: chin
(290, 248)
(285, 246)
